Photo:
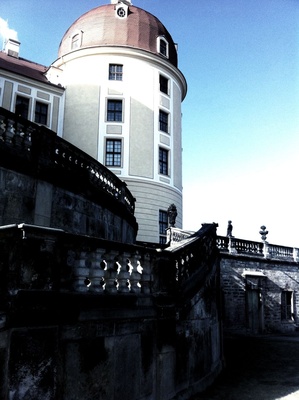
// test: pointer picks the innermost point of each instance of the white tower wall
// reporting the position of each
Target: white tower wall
(84, 73)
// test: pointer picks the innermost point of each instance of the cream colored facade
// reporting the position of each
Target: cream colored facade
(84, 73)
(13, 85)
(77, 89)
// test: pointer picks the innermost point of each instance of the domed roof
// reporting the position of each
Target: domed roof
(102, 27)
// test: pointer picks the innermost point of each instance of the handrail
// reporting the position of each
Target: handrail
(194, 259)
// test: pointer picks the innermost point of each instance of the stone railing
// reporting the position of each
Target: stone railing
(35, 149)
(195, 259)
(176, 235)
(282, 252)
(237, 246)
(47, 259)
(232, 245)
(104, 268)
(83, 294)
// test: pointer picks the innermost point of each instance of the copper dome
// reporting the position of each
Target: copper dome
(101, 27)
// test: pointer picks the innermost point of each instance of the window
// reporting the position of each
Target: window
(75, 41)
(41, 113)
(113, 153)
(286, 305)
(163, 121)
(22, 107)
(115, 72)
(163, 47)
(163, 225)
(114, 110)
(163, 161)
(163, 84)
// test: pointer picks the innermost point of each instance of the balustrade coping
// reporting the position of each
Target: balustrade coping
(29, 231)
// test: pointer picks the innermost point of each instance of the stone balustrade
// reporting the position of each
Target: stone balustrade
(51, 259)
(65, 297)
(104, 270)
(36, 149)
(237, 246)
(232, 245)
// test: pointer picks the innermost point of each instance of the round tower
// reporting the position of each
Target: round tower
(123, 98)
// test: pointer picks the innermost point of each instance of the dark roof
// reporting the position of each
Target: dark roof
(101, 27)
(23, 67)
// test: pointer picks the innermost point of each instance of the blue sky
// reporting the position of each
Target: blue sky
(241, 113)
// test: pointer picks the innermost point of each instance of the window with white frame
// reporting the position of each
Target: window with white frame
(163, 161)
(163, 225)
(22, 106)
(163, 46)
(164, 84)
(163, 121)
(115, 72)
(114, 110)
(113, 153)
(75, 41)
(41, 113)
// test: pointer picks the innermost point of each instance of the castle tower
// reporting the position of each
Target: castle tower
(123, 98)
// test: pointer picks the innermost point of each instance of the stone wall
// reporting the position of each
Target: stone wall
(46, 181)
(255, 291)
(25, 199)
(84, 318)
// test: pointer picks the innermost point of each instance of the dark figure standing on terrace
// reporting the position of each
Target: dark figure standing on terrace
(229, 229)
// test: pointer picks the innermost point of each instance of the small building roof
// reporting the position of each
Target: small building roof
(23, 67)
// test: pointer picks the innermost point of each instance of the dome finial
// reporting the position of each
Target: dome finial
(127, 2)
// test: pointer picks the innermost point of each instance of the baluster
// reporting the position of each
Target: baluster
(129, 271)
(2, 128)
(122, 274)
(28, 138)
(19, 135)
(134, 276)
(10, 131)
(97, 273)
(111, 277)
(83, 280)
(144, 270)
(103, 271)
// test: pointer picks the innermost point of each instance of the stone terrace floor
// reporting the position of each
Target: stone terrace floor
(262, 367)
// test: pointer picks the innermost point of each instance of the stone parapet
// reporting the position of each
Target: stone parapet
(95, 318)
(47, 181)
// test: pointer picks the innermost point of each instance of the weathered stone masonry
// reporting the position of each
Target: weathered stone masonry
(85, 312)
(260, 288)
(85, 317)
(259, 283)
